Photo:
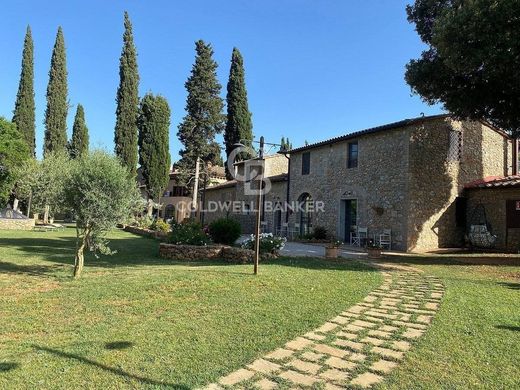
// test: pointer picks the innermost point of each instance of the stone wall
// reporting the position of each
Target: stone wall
(435, 180)
(494, 202)
(378, 184)
(146, 232)
(16, 224)
(211, 252)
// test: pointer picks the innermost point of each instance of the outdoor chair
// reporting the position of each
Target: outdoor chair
(385, 239)
(358, 236)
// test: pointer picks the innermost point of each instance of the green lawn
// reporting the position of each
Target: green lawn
(474, 341)
(134, 320)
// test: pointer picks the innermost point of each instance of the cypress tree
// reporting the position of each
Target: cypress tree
(154, 143)
(204, 107)
(23, 114)
(127, 102)
(239, 126)
(57, 103)
(79, 141)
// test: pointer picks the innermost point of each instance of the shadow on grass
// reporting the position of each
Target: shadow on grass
(510, 285)
(455, 259)
(31, 270)
(119, 345)
(508, 327)
(8, 366)
(113, 370)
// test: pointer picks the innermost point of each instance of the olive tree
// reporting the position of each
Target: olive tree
(100, 194)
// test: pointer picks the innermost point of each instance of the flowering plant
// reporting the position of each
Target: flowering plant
(268, 243)
(371, 244)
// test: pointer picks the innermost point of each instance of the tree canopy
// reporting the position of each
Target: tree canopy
(472, 61)
(13, 152)
(239, 126)
(154, 143)
(24, 108)
(57, 101)
(204, 107)
(80, 138)
(127, 99)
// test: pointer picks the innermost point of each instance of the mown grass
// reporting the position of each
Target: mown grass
(474, 341)
(136, 321)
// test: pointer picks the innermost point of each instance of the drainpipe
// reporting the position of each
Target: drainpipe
(515, 156)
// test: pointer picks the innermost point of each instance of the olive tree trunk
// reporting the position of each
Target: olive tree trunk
(81, 242)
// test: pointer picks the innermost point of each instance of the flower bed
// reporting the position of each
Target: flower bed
(230, 254)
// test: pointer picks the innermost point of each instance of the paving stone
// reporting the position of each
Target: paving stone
(436, 295)
(264, 366)
(357, 309)
(279, 354)
(266, 384)
(341, 320)
(350, 344)
(383, 366)
(298, 344)
(379, 333)
(382, 315)
(401, 345)
(385, 352)
(410, 324)
(366, 380)
(213, 386)
(411, 333)
(353, 328)
(297, 378)
(313, 357)
(330, 386)
(431, 305)
(357, 357)
(347, 335)
(327, 327)
(388, 328)
(334, 375)
(350, 315)
(307, 367)
(373, 341)
(373, 319)
(236, 377)
(340, 363)
(424, 319)
(314, 336)
(322, 348)
(370, 298)
(364, 324)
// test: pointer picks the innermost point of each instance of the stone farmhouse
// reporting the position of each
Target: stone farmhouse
(406, 179)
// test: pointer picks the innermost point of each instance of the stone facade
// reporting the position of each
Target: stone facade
(407, 179)
(235, 193)
(16, 224)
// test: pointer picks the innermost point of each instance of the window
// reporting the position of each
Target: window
(461, 206)
(306, 163)
(352, 160)
(455, 148)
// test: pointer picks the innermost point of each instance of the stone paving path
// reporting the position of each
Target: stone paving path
(357, 348)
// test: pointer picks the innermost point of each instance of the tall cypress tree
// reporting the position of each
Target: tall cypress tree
(154, 143)
(79, 140)
(239, 126)
(57, 103)
(24, 107)
(204, 107)
(127, 102)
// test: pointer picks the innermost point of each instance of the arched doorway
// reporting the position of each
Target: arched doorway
(169, 212)
(305, 210)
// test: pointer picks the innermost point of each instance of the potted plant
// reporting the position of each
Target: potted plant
(332, 250)
(374, 250)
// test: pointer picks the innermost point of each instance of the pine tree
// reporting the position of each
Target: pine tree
(127, 102)
(239, 127)
(79, 141)
(57, 103)
(204, 107)
(24, 107)
(154, 143)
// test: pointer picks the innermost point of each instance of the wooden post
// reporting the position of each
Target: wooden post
(259, 207)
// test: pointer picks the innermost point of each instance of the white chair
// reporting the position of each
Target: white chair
(263, 226)
(385, 239)
(358, 235)
(285, 230)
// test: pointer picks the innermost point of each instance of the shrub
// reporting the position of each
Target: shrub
(320, 233)
(225, 231)
(188, 232)
(268, 243)
(144, 222)
(159, 225)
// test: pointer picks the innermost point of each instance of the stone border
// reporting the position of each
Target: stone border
(230, 254)
(146, 232)
(357, 348)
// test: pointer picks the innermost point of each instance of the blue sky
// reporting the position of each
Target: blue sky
(314, 69)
